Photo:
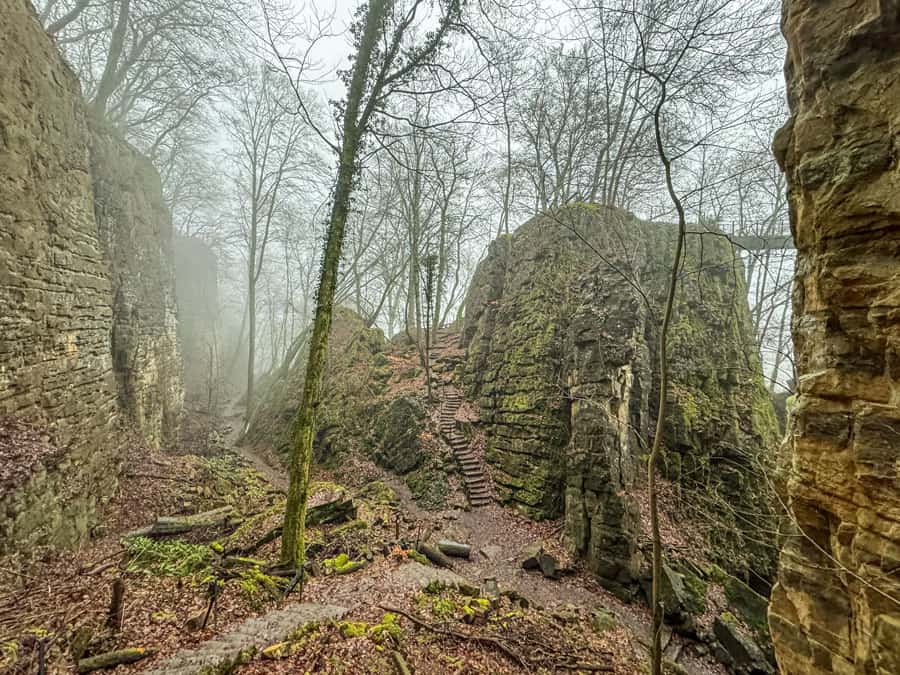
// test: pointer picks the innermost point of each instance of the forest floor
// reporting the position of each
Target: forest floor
(54, 607)
(396, 614)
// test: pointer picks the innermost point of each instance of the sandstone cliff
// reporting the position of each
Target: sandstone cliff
(836, 607)
(561, 337)
(87, 313)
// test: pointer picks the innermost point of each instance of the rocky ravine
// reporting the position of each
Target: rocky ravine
(836, 607)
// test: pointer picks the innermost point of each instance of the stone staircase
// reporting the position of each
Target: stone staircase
(475, 480)
(225, 653)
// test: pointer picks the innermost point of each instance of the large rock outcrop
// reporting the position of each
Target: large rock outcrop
(350, 386)
(561, 332)
(87, 330)
(836, 607)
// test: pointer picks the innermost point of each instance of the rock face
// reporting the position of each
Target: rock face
(350, 384)
(836, 607)
(135, 229)
(561, 337)
(87, 334)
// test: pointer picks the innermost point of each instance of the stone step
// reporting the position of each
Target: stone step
(227, 651)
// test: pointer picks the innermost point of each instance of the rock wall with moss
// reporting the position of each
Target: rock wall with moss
(87, 310)
(561, 338)
(836, 606)
(355, 353)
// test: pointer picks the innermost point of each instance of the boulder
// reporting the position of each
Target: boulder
(395, 433)
(534, 557)
(561, 352)
(741, 652)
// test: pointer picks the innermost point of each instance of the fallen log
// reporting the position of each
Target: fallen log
(454, 548)
(166, 525)
(114, 658)
(435, 555)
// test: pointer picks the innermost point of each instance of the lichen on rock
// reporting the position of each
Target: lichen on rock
(561, 336)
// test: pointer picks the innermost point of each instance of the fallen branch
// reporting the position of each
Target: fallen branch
(166, 525)
(400, 663)
(101, 565)
(116, 613)
(435, 555)
(115, 658)
(481, 639)
(454, 548)
(155, 476)
(269, 536)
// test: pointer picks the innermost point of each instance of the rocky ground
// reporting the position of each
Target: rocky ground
(210, 598)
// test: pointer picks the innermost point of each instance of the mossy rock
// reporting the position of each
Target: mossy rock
(429, 487)
(342, 564)
(379, 492)
(603, 621)
(395, 434)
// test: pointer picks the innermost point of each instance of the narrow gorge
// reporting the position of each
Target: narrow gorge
(477, 488)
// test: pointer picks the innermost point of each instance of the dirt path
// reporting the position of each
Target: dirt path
(233, 418)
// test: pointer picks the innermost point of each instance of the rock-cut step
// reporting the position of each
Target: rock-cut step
(223, 654)
(472, 470)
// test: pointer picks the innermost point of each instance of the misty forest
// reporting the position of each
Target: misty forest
(450, 336)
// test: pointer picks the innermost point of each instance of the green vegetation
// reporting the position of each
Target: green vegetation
(342, 564)
(167, 558)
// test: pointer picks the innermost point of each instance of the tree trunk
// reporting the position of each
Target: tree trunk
(251, 341)
(656, 596)
(292, 540)
(116, 44)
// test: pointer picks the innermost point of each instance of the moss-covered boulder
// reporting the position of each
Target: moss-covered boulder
(561, 334)
(351, 384)
(398, 424)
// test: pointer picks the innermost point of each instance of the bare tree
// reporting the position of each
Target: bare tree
(384, 63)
(692, 54)
(270, 158)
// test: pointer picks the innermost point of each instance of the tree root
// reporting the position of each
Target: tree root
(497, 643)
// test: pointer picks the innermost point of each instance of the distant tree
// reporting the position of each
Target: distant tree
(271, 158)
(147, 66)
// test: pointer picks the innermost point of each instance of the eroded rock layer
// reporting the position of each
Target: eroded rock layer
(836, 607)
(82, 228)
(561, 332)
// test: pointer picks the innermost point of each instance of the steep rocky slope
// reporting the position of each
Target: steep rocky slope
(836, 607)
(87, 312)
(561, 336)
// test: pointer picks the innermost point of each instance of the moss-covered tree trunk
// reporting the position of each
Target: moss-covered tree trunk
(292, 539)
